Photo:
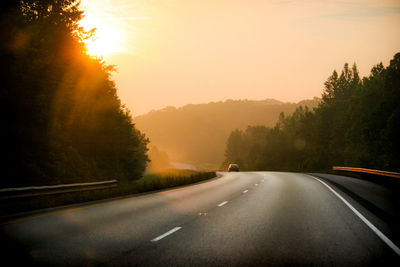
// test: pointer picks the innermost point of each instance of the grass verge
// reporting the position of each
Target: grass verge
(149, 182)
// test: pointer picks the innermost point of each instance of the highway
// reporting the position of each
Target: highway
(238, 219)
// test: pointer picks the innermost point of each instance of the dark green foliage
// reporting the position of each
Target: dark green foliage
(62, 119)
(356, 124)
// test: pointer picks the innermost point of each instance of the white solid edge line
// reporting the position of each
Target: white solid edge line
(368, 223)
(166, 234)
(223, 203)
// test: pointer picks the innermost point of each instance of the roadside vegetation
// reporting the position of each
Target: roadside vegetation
(356, 124)
(172, 177)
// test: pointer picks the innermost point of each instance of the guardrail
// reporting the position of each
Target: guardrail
(8, 193)
(369, 171)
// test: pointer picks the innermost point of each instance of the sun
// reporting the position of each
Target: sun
(106, 40)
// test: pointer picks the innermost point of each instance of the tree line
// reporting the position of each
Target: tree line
(62, 120)
(356, 124)
(196, 133)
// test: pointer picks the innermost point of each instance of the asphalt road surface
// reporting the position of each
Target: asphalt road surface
(239, 219)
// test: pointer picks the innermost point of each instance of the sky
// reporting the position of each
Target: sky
(178, 52)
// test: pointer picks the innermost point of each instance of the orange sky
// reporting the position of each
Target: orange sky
(176, 52)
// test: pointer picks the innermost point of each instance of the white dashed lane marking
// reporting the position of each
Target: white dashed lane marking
(166, 234)
(223, 203)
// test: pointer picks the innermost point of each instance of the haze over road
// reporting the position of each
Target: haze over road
(239, 219)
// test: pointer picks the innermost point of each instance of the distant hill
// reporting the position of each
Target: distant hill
(197, 134)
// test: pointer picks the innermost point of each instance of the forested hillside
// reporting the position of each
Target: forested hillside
(357, 124)
(197, 134)
(62, 120)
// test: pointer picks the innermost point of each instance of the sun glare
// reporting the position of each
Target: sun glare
(106, 40)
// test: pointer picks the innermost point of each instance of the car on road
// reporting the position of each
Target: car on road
(233, 167)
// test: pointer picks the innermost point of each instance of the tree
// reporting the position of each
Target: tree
(63, 119)
(356, 124)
